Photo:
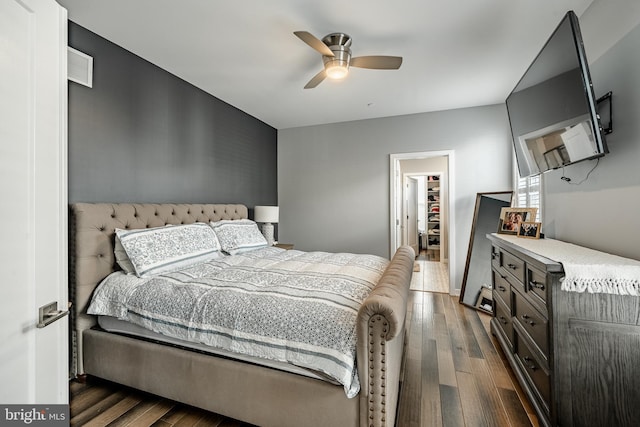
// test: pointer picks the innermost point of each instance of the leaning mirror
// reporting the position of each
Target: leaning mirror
(476, 282)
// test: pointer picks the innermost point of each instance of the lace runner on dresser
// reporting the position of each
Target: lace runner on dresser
(587, 270)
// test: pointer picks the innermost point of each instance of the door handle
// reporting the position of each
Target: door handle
(49, 313)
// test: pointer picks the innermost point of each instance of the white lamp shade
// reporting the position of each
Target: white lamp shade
(266, 214)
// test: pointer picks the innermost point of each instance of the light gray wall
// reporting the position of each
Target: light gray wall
(333, 180)
(602, 212)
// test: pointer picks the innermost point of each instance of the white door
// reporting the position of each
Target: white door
(33, 191)
(412, 214)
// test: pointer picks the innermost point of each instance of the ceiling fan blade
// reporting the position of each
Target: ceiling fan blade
(316, 80)
(314, 42)
(377, 62)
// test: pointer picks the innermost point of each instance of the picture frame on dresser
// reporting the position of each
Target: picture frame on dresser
(529, 230)
(511, 217)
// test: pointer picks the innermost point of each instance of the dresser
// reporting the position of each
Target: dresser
(570, 329)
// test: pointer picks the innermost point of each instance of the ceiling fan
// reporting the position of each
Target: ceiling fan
(336, 56)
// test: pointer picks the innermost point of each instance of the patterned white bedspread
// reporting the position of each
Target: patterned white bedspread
(290, 306)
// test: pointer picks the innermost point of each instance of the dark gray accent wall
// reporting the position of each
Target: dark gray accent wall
(142, 134)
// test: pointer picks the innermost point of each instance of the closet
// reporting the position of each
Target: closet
(433, 225)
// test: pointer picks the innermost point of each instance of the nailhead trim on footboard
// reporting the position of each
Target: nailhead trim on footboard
(381, 342)
(378, 327)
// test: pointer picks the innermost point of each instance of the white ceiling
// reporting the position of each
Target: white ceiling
(457, 54)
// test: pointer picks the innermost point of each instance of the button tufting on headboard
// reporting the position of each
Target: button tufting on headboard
(92, 231)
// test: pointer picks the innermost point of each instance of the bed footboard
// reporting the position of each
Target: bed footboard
(381, 322)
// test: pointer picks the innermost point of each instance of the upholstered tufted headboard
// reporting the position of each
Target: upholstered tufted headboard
(91, 256)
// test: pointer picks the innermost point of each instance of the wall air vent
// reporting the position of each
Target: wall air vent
(79, 67)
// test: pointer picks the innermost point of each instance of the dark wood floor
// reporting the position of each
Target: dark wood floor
(101, 403)
(454, 376)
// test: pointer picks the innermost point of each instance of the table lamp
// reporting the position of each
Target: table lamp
(267, 215)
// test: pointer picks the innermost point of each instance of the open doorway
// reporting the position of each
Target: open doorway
(433, 171)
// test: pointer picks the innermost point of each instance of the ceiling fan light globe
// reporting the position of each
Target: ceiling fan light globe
(336, 70)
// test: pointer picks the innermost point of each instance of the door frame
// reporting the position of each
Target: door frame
(395, 201)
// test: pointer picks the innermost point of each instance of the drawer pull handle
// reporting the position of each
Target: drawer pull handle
(526, 319)
(494, 255)
(528, 362)
(503, 320)
(512, 266)
(504, 277)
(502, 288)
(534, 284)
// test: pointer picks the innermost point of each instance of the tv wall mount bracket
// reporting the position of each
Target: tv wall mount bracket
(605, 112)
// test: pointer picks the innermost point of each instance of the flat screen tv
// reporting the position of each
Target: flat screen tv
(552, 109)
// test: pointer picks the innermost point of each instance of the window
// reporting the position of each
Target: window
(529, 193)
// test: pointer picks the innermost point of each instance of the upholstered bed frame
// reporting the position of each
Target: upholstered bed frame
(240, 390)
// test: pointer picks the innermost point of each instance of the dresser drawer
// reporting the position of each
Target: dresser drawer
(532, 367)
(512, 265)
(532, 322)
(537, 284)
(503, 316)
(502, 288)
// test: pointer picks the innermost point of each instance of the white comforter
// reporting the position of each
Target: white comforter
(290, 306)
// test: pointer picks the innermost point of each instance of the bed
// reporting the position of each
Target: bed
(257, 393)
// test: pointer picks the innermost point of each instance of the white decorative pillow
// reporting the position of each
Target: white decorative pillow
(237, 236)
(158, 250)
(121, 255)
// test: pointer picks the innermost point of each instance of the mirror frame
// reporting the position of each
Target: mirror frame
(471, 241)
